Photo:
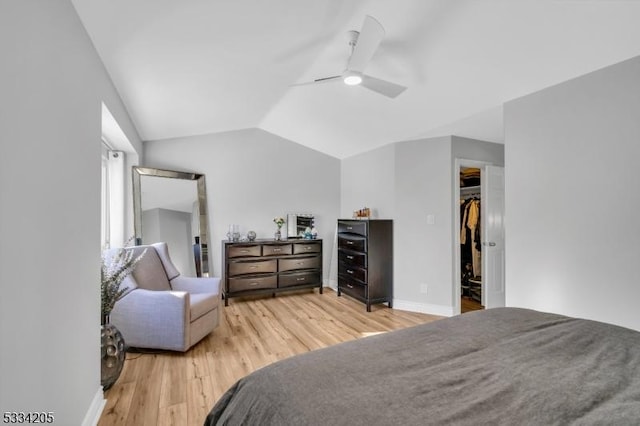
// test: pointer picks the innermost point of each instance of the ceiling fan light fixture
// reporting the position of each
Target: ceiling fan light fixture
(352, 79)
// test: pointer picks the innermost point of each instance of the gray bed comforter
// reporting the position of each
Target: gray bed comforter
(499, 366)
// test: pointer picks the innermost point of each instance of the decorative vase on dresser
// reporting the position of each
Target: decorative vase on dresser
(270, 266)
(365, 260)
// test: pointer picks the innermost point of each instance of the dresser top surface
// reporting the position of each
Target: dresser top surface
(272, 241)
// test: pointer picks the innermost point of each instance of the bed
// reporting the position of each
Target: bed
(499, 366)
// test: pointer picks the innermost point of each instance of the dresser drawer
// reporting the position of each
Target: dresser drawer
(352, 288)
(253, 267)
(352, 272)
(312, 262)
(301, 248)
(353, 227)
(243, 251)
(268, 266)
(352, 242)
(274, 250)
(252, 283)
(353, 258)
(299, 278)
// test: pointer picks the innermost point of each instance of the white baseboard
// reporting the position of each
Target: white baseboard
(424, 308)
(404, 305)
(95, 409)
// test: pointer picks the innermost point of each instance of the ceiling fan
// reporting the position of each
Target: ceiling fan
(363, 45)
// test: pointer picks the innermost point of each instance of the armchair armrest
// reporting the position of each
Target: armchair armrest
(153, 319)
(196, 285)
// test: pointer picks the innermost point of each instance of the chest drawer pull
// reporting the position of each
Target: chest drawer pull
(300, 279)
(277, 249)
(349, 257)
(349, 271)
(349, 285)
(253, 284)
(350, 242)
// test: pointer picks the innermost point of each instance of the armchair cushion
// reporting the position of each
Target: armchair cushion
(196, 285)
(149, 272)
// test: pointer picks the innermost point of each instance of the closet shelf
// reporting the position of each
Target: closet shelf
(470, 188)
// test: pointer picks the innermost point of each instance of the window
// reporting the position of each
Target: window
(113, 193)
(104, 228)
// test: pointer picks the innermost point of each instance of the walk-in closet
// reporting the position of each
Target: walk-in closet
(470, 239)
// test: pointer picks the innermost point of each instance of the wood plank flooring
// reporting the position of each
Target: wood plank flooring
(167, 388)
(468, 304)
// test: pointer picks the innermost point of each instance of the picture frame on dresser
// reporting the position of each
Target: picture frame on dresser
(365, 260)
(270, 266)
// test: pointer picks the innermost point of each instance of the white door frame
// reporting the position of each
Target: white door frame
(457, 276)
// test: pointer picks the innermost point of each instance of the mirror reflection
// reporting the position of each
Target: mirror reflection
(298, 223)
(170, 206)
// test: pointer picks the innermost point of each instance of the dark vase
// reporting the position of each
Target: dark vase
(113, 353)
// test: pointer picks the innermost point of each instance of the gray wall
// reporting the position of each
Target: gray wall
(406, 182)
(52, 84)
(368, 180)
(253, 176)
(572, 197)
(423, 252)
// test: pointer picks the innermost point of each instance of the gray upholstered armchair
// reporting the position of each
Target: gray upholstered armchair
(163, 310)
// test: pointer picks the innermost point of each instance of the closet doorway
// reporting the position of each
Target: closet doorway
(479, 236)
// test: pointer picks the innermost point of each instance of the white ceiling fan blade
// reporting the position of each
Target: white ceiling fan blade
(383, 87)
(320, 80)
(369, 39)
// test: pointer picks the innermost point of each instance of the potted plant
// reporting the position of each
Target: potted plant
(116, 265)
(279, 221)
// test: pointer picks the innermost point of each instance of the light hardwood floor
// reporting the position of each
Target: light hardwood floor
(467, 305)
(180, 389)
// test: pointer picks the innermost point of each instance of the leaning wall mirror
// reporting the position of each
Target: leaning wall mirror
(171, 206)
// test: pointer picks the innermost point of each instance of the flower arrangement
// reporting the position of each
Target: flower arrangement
(114, 269)
(279, 221)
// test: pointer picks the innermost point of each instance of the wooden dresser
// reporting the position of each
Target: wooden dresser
(270, 266)
(365, 260)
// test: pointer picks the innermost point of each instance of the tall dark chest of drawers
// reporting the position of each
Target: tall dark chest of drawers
(269, 266)
(365, 260)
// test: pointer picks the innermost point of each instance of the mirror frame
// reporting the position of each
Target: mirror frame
(138, 172)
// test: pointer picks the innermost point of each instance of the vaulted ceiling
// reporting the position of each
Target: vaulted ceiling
(194, 67)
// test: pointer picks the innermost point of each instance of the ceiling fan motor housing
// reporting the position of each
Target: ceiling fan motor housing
(352, 36)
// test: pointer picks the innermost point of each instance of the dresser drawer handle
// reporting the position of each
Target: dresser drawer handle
(349, 285)
(349, 242)
(277, 249)
(253, 284)
(244, 251)
(349, 228)
(349, 271)
(253, 267)
(300, 279)
(300, 263)
(307, 248)
(349, 257)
